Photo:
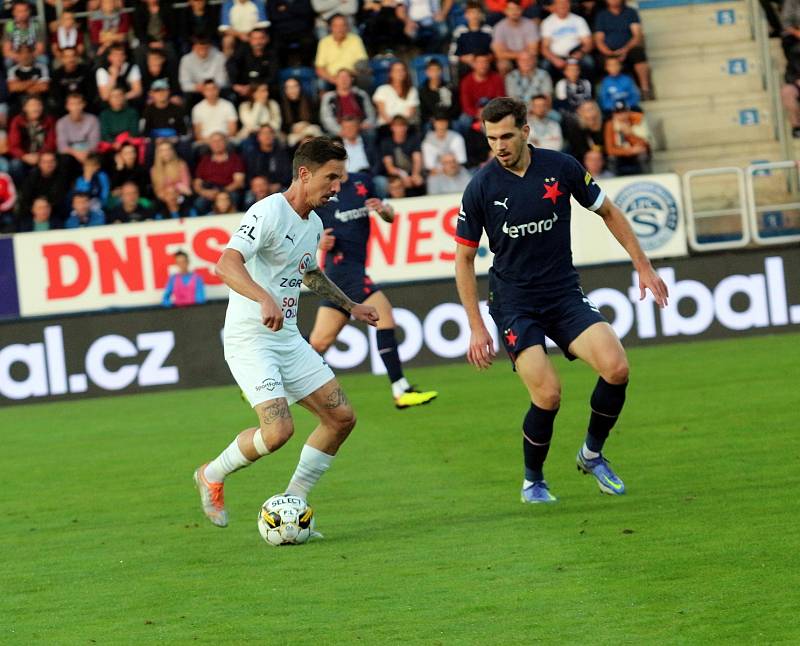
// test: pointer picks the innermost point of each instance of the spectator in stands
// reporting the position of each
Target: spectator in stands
(401, 154)
(327, 9)
(566, 35)
(172, 207)
(618, 33)
(260, 109)
(218, 171)
(297, 109)
(595, 164)
(345, 101)
(203, 63)
(213, 114)
(626, 141)
(40, 215)
(545, 131)
(184, 287)
(223, 205)
(131, 208)
(473, 38)
(453, 177)
(384, 24)
(397, 97)
(425, 23)
(528, 80)
(162, 118)
(340, 49)
(293, 31)
(22, 30)
(155, 21)
(77, 133)
(361, 154)
(73, 77)
(94, 182)
(67, 35)
(237, 21)
(495, 10)
(118, 119)
(27, 77)
(8, 200)
(156, 68)
(198, 20)
(118, 72)
(396, 187)
(170, 172)
(30, 134)
(259, 189)
(108, 26)
(513, 35)
(435, 95)
(126, 168)
(478, 88)
(270, 159)
(584, 130)
(45, 180)
(617, 86)
(253, 64)
(440, 141)
(572, 90)
(82, 214)
(790, 96)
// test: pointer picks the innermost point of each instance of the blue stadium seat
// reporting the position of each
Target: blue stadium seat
(306, 75)
(380, 70)
(418, 64)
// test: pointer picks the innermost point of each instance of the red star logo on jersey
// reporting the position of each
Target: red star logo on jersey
(551, 192)
(361, 190)
(511, 338)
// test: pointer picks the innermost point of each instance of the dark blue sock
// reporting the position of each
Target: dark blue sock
(387, 348)
(537, 429)
(607, 401)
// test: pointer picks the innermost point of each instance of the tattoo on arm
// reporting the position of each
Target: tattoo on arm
(276, 410)
(321, 285)
(336, 398)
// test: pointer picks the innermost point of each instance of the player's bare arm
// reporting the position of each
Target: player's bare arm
(481, 345)
(384, 210)
(321, 285)
(621, 229)
(230, 268)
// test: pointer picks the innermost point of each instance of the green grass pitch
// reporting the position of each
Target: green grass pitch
(426, 540)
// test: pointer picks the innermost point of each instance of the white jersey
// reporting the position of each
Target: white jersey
(278, 247)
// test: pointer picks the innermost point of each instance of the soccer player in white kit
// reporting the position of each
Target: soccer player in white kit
(271, 254)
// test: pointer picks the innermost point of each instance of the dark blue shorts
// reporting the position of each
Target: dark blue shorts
(562, 319)
(352, 279)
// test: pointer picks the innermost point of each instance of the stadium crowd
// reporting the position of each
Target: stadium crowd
(115, 112)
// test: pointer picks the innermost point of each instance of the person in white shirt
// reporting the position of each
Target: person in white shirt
(545, 132)
(213, 114)
(397, 97)
(268, 258)
(440, 141)
(566, 35)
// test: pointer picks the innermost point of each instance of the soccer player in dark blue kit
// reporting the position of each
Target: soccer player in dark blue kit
(346, 221)
(521, 199)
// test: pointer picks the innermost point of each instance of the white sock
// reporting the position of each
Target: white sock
(399, 387)
(230, 460)
(313, 463)
(526, 483)
(589, 455)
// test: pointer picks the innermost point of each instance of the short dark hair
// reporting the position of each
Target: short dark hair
(474, 4)
(81, 194)
(433, 62)
(334, 17)
(181, 252)
(503, 106)
(536, 97)
(317, 152)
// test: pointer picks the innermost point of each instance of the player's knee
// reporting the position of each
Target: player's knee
(618, 372)
(344, 421)
(276, 434)
(548, 396)
(320, 343)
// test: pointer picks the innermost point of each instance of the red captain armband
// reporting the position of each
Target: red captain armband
(464, 241)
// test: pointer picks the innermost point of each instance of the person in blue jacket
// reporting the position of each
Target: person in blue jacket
(617, 87)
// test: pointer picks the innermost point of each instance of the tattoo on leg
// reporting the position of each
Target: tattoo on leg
(336, 398)
(274, 411)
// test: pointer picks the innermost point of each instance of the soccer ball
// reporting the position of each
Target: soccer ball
(285, 520)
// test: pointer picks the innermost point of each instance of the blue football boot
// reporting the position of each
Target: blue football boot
(608, 481)
(536, 493)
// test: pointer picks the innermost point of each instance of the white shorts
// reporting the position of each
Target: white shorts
(267, 370)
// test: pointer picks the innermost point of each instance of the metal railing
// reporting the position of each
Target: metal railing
(774, 222)
(727, 237)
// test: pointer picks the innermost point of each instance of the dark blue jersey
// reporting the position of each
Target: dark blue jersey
(346, 214)
(527, 221)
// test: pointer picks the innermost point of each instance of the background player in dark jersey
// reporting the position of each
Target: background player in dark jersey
(521, 199)
(346, 222)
